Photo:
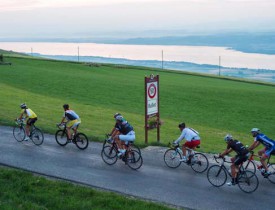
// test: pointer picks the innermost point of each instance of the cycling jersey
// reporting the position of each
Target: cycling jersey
(29, 113)
(189, 134)
(238, 147)
(124, 127)
(267, 142)
(70, 115)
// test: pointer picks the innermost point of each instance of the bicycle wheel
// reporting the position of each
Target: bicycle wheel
(172, 158)
(199, 163)
(217, 175)
(248, 182)
(19, 133)
(271, 169)
(135, 147)
(81, 141)
(61, 137)
(134, 159)
(249, 166)
(37, 136)
(109, 154)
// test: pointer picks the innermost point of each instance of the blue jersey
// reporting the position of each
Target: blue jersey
(267, 142)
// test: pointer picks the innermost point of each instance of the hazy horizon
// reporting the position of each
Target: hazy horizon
(132, 18)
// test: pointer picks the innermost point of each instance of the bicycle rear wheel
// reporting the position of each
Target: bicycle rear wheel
(216, 175)
(172, 158)
(134, 159)
(271, 169)
(199, 163)
(61, 137)
(19, 133)
(248, 182)
(109, 154)
(81, 141)
(37, 136)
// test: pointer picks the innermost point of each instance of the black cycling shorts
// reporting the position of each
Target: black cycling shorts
(240, 159)
(31, 121)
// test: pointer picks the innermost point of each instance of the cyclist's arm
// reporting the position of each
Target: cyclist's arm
(227, 151)
(183, 133)
(114, 133)
(62, 120)
(254, 145)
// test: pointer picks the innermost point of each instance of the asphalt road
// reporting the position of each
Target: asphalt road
(180, 187)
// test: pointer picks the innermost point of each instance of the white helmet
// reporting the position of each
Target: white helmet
(256, 130)
(228, 137)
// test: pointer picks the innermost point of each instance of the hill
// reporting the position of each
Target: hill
(213, 106)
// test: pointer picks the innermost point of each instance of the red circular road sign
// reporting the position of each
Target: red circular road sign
(152, 90)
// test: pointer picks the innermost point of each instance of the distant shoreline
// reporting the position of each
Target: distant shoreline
(248, 43)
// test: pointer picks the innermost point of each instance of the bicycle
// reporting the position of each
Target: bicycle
(19, 132)
(198, 161)
(217, 175)
(132, 156)
(252, 165)
(62, 138)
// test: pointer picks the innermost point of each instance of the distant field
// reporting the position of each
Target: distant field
(213, 106)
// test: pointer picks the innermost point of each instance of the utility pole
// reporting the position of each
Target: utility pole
(219, 65)
(162, 59)
(31, 52)
(78, 53)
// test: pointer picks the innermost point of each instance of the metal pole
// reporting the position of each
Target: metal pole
(162, 59)
(219, 65)
(31, 52)
(78, 53)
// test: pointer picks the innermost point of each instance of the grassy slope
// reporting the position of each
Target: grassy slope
(21, 190)
(212, 106)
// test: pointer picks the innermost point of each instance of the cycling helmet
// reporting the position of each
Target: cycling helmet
(228, 137)
(256, 130)
(116, 114)
(23, 106)
(119, 117)
(182, 125)
(66, 106)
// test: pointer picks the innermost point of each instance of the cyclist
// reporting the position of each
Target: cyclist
(31, 118)
(242, 156)
(71, 119)
(122, 133)
(269, 145)
(192, 139)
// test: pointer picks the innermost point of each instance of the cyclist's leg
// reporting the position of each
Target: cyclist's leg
(265, 155)
(124, 139)
(30, 122)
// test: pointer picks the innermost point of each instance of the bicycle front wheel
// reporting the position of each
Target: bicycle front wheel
(109, 154)
(81, 141)
(216, 175)
(199, 163)
(19, 133)
(271, 176)
(248, 182)
(61, 137)
(37, 136)
(172, 158)
(134, 159)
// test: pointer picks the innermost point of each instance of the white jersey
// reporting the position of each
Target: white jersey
(189, 134)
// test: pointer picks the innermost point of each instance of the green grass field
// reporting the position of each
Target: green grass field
(213, 106)
(21, 190)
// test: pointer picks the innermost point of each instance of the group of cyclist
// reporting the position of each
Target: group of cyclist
(123, 132)
(193, 140)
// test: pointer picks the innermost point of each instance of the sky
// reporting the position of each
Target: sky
(132, 18)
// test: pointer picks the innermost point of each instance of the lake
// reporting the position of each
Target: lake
(190, 58)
